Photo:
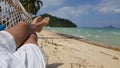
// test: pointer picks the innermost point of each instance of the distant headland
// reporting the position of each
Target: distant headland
(58, 22)
(109, 26)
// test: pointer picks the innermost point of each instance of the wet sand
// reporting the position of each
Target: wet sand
(68, 52)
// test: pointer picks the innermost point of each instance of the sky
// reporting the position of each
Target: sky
(85, 13)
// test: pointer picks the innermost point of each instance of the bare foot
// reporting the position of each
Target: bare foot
(40, 22)
(37, 19)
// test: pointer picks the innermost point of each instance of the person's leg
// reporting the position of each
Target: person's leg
(23, 30)
(33, 38)
(30, 55)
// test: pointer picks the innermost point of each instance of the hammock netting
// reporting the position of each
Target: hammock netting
(12, 12)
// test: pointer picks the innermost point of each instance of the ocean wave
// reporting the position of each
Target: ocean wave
(116, 33)
(107, 36)
(97, 36)
(99, 31)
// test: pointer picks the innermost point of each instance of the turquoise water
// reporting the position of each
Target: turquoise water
(110, 37)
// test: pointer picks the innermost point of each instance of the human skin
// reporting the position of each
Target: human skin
(24, 32)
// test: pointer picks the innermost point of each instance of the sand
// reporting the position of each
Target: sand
(65, 52)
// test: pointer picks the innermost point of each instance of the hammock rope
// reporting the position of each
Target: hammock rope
(12, 12)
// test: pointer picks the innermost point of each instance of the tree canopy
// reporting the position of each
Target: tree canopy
(58, 22)
(32, 6)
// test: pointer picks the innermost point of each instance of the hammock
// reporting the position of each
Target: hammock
(12, 12)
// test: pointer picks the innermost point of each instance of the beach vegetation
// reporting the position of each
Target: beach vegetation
(32, 6)
(58, 22)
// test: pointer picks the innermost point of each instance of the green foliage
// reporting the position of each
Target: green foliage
(32, 6)
(58, 22)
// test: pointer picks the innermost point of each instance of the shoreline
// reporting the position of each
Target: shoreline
(88, 41)
(64, 51)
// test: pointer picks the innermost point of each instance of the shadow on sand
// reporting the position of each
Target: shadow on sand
(54, 65)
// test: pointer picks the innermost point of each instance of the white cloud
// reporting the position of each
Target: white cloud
(68, 11)
(109, 6)
(50, 3)
(105, 6)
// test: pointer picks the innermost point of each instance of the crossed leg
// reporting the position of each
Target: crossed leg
(29, 54)
(22, 31)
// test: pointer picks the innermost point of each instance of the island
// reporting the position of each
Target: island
(58, 22)
(109, 26)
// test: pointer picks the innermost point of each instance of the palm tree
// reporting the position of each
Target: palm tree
(32, 6)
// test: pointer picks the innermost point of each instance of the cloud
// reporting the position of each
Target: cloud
(71, 11)
(104, 6)
(109, 6)
(51, 3)
(83, 12)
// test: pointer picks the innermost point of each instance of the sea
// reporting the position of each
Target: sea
(107, 36)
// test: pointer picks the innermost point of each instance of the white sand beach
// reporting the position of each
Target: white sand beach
(64, 52)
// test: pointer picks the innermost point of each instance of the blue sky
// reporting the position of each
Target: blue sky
(85, 13)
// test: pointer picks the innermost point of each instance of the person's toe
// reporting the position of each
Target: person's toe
(45, 21)
(37, 20)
